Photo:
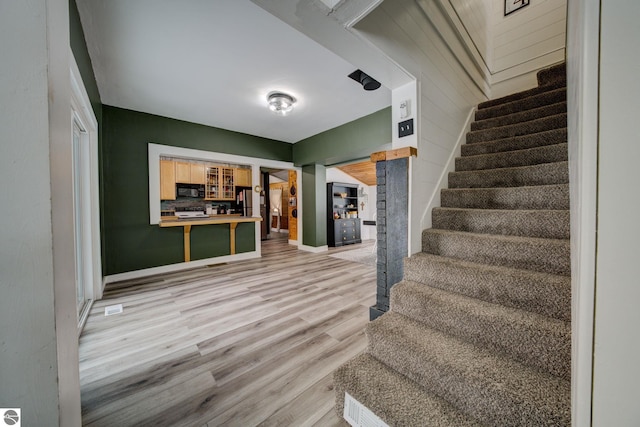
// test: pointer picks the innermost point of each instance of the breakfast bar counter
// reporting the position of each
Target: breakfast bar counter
(233, 222)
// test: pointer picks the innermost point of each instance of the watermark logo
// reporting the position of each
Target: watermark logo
(10, 417)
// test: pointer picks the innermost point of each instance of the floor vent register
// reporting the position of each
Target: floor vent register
(357, 415)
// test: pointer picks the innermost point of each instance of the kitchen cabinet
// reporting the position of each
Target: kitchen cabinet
(343, 223)
(183, 172)
(345, 232)
(190, 173)
(197, 173)
(220, 183)
(167, 180)
(242, 177)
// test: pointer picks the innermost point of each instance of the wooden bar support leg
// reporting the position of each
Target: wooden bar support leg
(187, 243)
(232, 236)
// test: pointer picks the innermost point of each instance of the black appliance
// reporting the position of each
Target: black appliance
(190, 190)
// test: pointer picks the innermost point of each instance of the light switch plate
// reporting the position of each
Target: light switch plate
(405, 128)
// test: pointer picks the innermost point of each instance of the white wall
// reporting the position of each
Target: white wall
(477, 19)
(38, 341)
(447, 94)
(582, 105)
(366, 232)
(616, 372)
(510, 49)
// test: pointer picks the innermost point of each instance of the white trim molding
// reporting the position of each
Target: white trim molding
(83, 112)
(313, 249)
(583, 45)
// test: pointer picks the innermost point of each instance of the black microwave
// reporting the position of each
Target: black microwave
(190, 191)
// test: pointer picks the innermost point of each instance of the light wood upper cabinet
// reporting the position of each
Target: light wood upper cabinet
(220, 183)
(197, 173)
(242, 177)
(190, 173)
(183, 172)
(167, 180)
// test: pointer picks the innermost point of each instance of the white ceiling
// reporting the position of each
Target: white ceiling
(214, 62)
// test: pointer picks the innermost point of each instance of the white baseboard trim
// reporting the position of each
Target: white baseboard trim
(178, 267)
(314, 249)
(293, 242)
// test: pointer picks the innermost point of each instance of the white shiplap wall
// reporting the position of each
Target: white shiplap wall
(535, 31)
(447, 93)
(512, 47)
(477, 18)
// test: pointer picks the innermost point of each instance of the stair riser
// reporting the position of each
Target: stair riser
(544, 255)
(393, 397)
(535, 101)
(520, 116)
(540, 139)
(528, 157)
(534, 126)
(536, 197)
(545, 294)
(425, 359)
(529, 339)
(545, 174)
(529, 223)
(521, 95)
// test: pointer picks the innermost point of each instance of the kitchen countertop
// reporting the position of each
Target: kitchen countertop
(175, 218)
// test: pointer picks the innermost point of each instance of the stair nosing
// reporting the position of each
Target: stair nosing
(522, 112)
(537, 165)
(484, 371)
(512, 103)
(514, 140)
(501, 320)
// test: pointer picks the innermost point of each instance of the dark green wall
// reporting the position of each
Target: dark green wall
(351, 141)
(130, 242)
(81, 54)
(314, 202)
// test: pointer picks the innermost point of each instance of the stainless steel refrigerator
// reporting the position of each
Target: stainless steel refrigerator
(246, 201)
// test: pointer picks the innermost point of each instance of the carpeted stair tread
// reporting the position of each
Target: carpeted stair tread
(556, 74)
(550, 137)
(520, 116)
(550, 224)
(523, 157)
(396, 399)
(481, 321)
(520, 95)
(491, 388)
(542, 293)
(554, 196)
(535, 101)
(541, 174)
(529, 338)
(532, 126)
(544, 255)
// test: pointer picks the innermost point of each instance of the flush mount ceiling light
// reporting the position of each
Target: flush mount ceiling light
(367, 82)
(280, 103)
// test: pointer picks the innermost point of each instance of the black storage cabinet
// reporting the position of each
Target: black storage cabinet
(342, 200)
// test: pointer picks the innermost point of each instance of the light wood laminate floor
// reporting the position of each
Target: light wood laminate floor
(240, 344)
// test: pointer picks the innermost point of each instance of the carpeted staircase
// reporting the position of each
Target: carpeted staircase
(479, 330)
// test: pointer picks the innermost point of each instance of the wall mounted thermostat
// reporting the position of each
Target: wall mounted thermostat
(405, 109)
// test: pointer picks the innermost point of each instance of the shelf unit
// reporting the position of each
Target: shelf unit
(220, 183)
(343, 221)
